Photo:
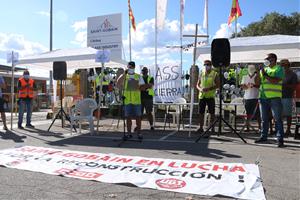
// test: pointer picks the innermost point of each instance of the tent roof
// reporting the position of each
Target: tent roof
(5, 68)
(255, 49)
(76, 59)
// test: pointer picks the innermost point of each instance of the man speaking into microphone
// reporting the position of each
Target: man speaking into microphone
(131, 84)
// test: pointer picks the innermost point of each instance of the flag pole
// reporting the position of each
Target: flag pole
(206, 8)
(181, 28)
(129, 27)
(155, 48)
(235, 27)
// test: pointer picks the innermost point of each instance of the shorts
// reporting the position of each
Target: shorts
(147, 104)
(2, 105)
(250, 105)
(287, 107)
(132, 110)
(210, 102)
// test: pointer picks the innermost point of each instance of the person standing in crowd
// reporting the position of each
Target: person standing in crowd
(26, 86)
(147, 96)
(132, 84)
(270, 93)
(207, 84)
(288, 88)
(250, 83)
(105, 82)
(2, 111)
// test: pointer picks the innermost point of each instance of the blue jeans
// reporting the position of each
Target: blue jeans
(22, 104)
(274, 105)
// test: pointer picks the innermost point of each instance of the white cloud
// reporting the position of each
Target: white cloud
(43, 13)
(59, 16)
(18, 43)
(226, 31)
(79, 28)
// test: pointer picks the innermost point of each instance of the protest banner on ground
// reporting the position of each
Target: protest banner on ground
(186, 176)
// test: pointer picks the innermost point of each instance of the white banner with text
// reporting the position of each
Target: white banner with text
(185, 176)
(168, 84)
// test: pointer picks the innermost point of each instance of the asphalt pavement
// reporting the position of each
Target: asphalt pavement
(279, 167)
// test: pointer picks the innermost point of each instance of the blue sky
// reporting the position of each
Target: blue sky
(24, 25)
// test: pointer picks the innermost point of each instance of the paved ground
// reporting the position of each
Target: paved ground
(279, 167)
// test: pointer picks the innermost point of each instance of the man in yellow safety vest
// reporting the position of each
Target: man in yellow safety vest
(132, 83)
(270, 94)
(147, 96)
(207, 84)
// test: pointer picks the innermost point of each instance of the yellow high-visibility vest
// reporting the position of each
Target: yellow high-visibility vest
(132, 96)
(207, 81)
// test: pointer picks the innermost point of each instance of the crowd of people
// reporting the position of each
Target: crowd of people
(268, 95)
(269, 87)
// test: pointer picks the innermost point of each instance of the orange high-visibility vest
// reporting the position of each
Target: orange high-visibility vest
(26, 92)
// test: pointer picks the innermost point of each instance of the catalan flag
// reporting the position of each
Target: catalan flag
(235, 11)
(131, 16)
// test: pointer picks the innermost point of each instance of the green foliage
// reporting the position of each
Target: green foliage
(272, 24)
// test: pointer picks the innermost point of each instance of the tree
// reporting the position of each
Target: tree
(273, 23)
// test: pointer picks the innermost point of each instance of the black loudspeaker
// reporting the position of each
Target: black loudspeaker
(59, 70)
(220, 52)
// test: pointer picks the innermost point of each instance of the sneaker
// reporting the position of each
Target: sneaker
(280, 144)
(261, 140)
(5, 128)
(29, 126)
(140, 136)
(20, 127)
(127, 136)
(152, 128)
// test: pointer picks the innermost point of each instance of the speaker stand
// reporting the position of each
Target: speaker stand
(220, 118)
(61, 113)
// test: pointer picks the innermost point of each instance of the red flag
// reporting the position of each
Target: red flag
(131, 16)
(235, 11)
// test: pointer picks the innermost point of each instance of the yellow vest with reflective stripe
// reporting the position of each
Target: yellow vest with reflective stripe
(150, 90)
(98, 78)
(207, 81)
(271, 90)
(132, 96)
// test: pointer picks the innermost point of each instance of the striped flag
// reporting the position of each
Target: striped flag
(131, 16)
(235, 11)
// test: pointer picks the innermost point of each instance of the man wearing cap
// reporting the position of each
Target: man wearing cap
(270, 94)
(26, 87)
(147, 96)
(207, 84)
(132, 83)
(288, 88)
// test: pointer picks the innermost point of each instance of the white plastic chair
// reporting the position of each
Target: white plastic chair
(177, 113)
(83, 111)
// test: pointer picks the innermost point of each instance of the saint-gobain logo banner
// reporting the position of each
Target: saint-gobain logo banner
(105, 32)
(168, 85)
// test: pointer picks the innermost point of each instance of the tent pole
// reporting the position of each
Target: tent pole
(12, 89)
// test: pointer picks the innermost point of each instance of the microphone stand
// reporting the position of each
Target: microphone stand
(124, 139)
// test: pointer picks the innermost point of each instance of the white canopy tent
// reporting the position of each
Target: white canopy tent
(78, 58)
(255, 49)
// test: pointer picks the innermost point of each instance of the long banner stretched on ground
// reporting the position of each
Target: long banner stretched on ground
(204, 178)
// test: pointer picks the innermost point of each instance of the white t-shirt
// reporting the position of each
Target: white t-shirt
(250, 93)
